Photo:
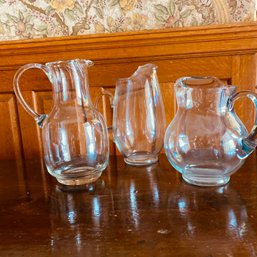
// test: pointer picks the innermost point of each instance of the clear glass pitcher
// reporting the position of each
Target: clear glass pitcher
(206, 141)
(139, 122)
(74, 133)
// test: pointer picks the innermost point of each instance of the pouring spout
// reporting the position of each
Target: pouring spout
(144, 71)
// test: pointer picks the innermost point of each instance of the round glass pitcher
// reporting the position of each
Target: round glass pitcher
(74, 133)
(206, 141)
(139, 123)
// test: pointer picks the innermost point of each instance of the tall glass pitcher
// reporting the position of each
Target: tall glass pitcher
(74, 133)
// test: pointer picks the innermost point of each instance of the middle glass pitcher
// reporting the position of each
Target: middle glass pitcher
(139, 121)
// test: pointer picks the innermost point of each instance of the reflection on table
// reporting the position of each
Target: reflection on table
(129, 211)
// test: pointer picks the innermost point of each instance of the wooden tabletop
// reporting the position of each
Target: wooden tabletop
(130, 211)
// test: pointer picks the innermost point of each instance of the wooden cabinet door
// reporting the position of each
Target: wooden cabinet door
(11, 147)
(10, 140)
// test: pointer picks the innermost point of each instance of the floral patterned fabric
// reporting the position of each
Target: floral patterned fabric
(23, 19)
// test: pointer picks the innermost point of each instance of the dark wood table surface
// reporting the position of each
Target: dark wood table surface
(130, 211)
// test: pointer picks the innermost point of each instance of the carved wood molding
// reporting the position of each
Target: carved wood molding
(122, 47)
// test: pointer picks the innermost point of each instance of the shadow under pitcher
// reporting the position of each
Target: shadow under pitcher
(74, 134)
(206, 141)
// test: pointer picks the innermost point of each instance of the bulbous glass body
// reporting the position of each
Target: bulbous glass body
(206, 141)
(74, 133)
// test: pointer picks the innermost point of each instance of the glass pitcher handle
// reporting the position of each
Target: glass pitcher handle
(252, 137)
(107, 93)
(38, 117)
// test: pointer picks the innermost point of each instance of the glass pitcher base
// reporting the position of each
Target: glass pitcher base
(141, 160)
(86, 175)
(206, 180)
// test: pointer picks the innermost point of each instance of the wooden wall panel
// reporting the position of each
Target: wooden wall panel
(169, 69)
(10, 142)
(169, 100)
(225, 51)
(244, 77)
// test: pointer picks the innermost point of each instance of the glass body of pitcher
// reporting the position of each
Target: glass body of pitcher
(74, 133)
(139, 123)
(206, 141)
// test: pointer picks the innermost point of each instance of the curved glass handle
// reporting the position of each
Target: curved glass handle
(108, 93)
(251, 139)
(38, 117)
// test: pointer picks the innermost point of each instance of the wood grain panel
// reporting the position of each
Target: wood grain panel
(9, 129)
(244, 77)
(169, 69)
(104, 74)
(168, 95)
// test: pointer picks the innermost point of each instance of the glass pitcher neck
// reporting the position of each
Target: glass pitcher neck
(202, 93)
(199, 82)
(70, 81)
